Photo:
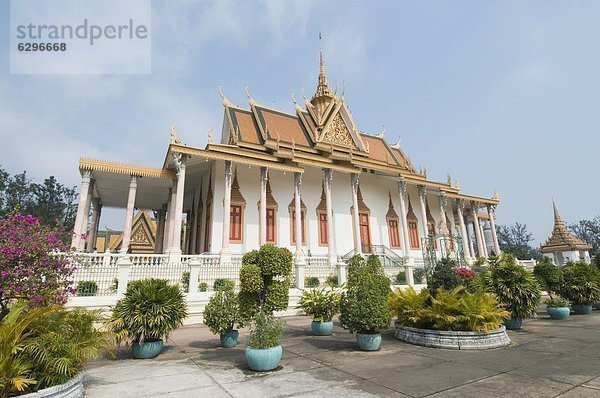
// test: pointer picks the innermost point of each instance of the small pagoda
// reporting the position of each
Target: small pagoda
(563, 246)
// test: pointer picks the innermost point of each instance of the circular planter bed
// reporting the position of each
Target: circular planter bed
(71, 389)
(453, 340)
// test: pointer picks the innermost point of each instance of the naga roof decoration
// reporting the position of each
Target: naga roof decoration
(562, 239)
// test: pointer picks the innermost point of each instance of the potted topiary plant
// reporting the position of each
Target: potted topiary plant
(264, 349)
(557, 307)
(580, 286)
(364, 306)
(150, 310)
(222, 315)
(322, 305)
(264, 288)
(515, 288)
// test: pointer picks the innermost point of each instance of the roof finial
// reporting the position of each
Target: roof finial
(321, 64)
(210, 135)
(250, 99)
(223, 99)
(174, 139)
(556, 215)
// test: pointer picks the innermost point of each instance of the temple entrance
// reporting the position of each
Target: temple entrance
(365, 233)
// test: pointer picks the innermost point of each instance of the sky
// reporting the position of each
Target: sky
(503, 95)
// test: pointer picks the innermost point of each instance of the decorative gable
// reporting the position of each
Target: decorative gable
(336, 132)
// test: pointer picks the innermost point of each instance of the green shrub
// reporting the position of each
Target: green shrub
(364, 307)
(265, 331)
(549, 275)
(222, 313)
(265, 281)
(481, 261)
(311, 281)
(321, 304)
(114, 285)
(45, 346)
(203, 287)
(514, 287)
(87, 288)
(580, 283)
(557, 302)
(443, 276)
(150, 310)
(478, 269)
(448, 310)
(332, 281)
(185, 281)
(401, 278)
(223, 284)
(419, 275)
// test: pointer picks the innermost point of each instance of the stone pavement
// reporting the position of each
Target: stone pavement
(547, 358)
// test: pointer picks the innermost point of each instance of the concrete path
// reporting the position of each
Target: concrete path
(547, 359)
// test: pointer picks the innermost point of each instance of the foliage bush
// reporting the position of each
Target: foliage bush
(28, 269)
(150, 310)
(465, 275)
(45, 346)
(222, 313)
(456, 309)
(87, 288)
(311, 281)
(549, 276)
(202, 287)
(364, 307)
(321, 304)
(514, 287)
(332, 281)
(265, 331)
(265, 281)
(223, 284)
(443, 276)
(400, 278)
(557, 302)
(478, 269)
(581, 283)
(185, 281)
(419, 275)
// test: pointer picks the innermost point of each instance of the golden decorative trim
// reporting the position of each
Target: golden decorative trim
(124, 168)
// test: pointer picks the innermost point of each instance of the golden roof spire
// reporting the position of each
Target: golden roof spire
(562, 239)
(323, 96)
(556, 215)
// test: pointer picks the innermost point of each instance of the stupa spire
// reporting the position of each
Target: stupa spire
(322, 85)
(556, 215)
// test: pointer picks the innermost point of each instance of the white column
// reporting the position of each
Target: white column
(328, 208)
(477, 229)
(81, 208)
(463, 231)
(355, 218)
(491, 212)
(180, 167)
(86, 216)
(470, 238)
(168, 219)
(225, 254)
(171, 219)
(91, 238)
(194, 231)
(405, 238)
(160, 230)
(129, 214)
(299, 256)
(263, 206)
(443, 203)
(483, 242)
(423, 206)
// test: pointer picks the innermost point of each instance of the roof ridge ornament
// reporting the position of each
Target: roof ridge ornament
(250, 99)
(174, 139)
(210, 135)
(382, 133)
(495, 195)
(225, 101)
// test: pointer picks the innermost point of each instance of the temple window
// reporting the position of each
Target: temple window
(323, 239)
(394, 234)
(236, 222)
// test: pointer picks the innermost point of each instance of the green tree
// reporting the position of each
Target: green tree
(515, 239)
(588, 231)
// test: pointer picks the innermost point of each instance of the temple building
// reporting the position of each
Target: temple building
(310, 181)
(563, 246)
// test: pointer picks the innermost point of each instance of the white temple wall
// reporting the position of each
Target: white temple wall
(341, 198)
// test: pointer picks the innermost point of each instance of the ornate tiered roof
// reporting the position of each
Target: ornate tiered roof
(562, 239)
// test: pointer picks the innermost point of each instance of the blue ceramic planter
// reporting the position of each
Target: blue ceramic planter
(229, 339)
(263, 359)
(582, 308)
(513, 323)
(558, 312)
(597, 305)
(368, 342)
(148, 349)
(322, 328)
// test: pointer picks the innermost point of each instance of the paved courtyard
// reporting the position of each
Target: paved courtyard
(546, 359)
